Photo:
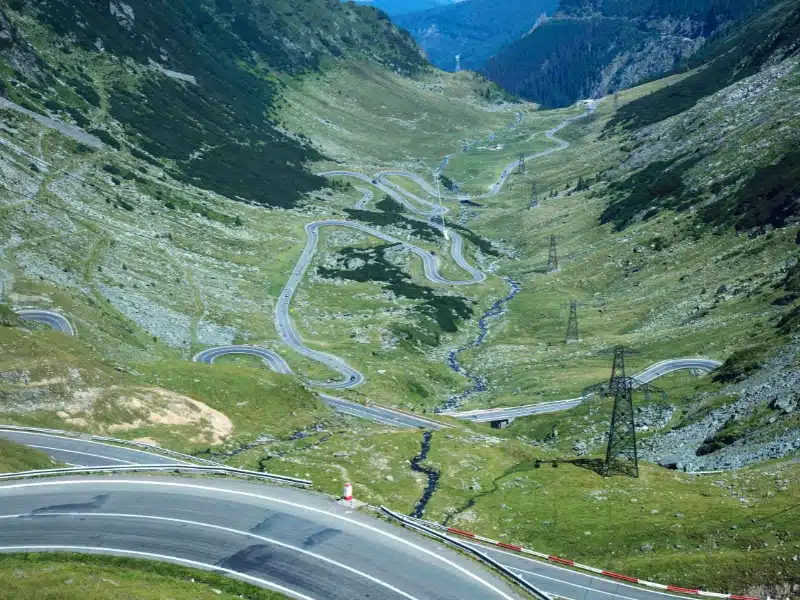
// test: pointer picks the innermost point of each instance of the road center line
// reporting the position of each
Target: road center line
(127, 462)
(262, 538)
(204, 488)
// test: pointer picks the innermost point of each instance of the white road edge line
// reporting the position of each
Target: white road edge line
(84, 515)
(82, 441)
(81, 453)
(396, 538)
(577, 585)
(557, 567)
(163, 557)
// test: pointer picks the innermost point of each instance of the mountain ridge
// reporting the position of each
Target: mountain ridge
(590, 48)
(474, 29)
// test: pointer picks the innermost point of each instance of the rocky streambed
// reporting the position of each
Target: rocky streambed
(478, 381)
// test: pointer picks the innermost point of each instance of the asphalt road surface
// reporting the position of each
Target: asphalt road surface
(55, 320)
(274, 360)
(295, 541)
(298, 542)
(566, 583)
(649, 374)
(380, 414)
(85, 453)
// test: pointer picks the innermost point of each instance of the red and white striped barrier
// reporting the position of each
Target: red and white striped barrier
(572, 563)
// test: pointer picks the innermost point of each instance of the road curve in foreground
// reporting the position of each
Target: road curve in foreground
(48, 317)
(649, 374)
(297, 542)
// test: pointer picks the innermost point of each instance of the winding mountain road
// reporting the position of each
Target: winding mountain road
(649, 374)
(283, 321)
(48, 317)
(350, 376)
(274, 360)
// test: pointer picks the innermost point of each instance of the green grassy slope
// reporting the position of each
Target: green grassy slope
(65, 576)
(15, 458)
(656, 284)
(151, 269)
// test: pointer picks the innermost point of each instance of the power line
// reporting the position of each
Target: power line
(621, 455)
(572, 323)
(552, 257)
(534, 196)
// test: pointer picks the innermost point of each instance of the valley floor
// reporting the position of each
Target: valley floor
(151, 271)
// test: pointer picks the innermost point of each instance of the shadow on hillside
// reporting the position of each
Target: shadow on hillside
(598, 465)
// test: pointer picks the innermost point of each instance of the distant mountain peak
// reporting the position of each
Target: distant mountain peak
(475, 29)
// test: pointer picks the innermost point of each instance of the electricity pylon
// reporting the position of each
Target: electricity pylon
(552, 259)
(616, 101)
(534, 196)
(621, 456)
(572, 323)
(521, 163)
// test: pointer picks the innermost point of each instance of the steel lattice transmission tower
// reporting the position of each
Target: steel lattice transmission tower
(552, 258)
(616, 101)
(521, 163)
(534, 196)
(572, 323)
(621, 457)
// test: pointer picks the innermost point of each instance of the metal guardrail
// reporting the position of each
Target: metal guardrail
(415, 524)
(218, 469)
(101, 438)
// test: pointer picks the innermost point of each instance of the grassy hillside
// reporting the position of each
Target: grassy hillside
(152, 262)
(151, 267)
(209, 122)
(66, 576)
(15, 458)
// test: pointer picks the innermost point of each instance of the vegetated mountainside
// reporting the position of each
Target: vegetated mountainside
(154, 193)
(399, 7)
(474, 29)
(210, 118)
(151, 268)
(140, 159)
(768, 38)
(701, 117)
(590, 48)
